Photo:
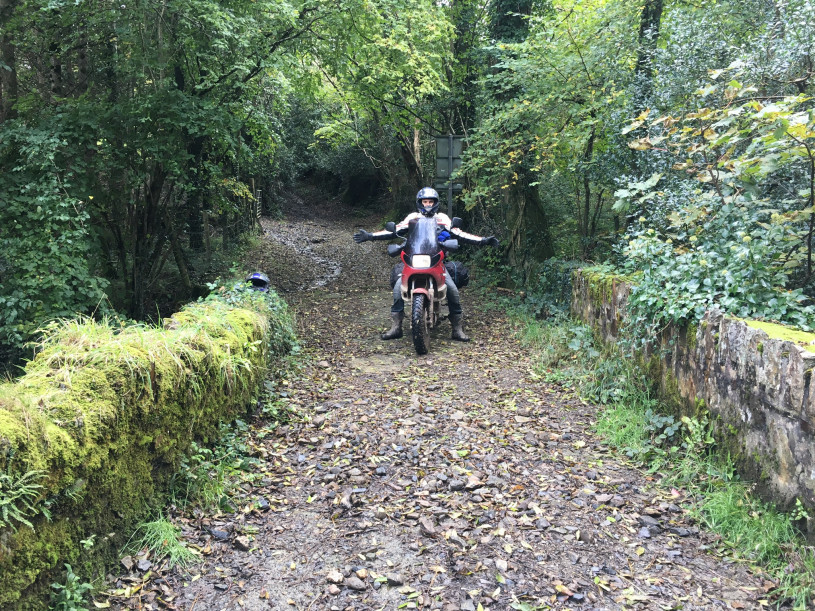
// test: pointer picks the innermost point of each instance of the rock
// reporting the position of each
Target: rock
(644, 533)
(472, 483)
(542, 524)
(333, 590)
(243, 544)
(603, 498)
(592, 475)
(456, 484)
(324, 364)
(681, 532)
(380, 514)
(394, 579)
(354, 472)
(648, 521)
(223, 587)
(334, 577)
(144, 565)
(220, 535)
(362, 573)
(381, 471)
(427, 526)
(355, 583)
(127, 562)
(262, 504)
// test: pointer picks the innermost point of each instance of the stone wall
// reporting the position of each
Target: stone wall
(754, 378)
(102, 419)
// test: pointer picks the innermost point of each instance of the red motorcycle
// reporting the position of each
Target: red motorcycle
(423, 284)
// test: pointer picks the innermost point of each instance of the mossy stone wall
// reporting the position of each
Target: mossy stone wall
(105, 414)
(753, 377)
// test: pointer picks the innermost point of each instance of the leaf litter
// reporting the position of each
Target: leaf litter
(454, 480)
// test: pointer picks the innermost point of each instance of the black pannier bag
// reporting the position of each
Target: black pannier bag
(396, 272)
(458, 273)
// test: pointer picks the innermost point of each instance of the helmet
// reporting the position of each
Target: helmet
(427, 193)
(259, 281)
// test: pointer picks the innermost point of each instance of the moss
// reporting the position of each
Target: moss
(690, 334)
(784, 333)
(108, 413)
(760, 348)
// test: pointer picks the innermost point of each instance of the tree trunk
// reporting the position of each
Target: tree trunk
(650, 20)
(8, 64)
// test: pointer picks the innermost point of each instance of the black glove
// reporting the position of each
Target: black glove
(490, 241)
(363, 236)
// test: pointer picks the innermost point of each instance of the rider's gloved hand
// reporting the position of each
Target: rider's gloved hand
(489, 241)
(363, 236)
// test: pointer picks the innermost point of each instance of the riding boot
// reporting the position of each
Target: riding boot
(458, 332)
(396, 326)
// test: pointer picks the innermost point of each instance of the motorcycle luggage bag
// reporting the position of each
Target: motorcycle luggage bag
(458, 272)
(396, 272)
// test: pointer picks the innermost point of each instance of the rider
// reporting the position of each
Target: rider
(427, 204)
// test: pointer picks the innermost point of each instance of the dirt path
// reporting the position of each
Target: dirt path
(454, 481)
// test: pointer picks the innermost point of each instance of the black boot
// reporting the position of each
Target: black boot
(396, 326)
(458, 332)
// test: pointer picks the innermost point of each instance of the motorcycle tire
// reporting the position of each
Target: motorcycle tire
(418, 324)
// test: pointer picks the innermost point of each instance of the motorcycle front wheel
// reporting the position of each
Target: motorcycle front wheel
(418, 324)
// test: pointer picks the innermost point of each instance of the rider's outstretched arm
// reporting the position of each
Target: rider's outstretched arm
(384, 234)
(366, 236)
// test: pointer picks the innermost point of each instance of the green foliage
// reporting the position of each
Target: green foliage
(737, 238)
(548, 117)
(162, 539)
(70, 596)
(18, 498)
(45, 236)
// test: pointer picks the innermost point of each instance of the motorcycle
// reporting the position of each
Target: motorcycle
(423, 284)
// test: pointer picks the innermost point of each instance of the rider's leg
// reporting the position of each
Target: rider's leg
(397, 312)
(454, 305)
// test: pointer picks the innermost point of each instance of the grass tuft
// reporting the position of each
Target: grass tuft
(162, 539)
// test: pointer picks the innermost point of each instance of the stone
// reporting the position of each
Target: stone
(220, 535)
(355, 583)
(242, 543)
(334, 577)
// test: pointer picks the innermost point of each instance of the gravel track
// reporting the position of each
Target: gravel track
(457, 480)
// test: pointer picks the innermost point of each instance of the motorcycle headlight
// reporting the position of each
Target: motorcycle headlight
(420, 261)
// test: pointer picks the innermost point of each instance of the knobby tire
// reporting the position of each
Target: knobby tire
(418, 324)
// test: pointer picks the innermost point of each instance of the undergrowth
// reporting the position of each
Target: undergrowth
(680, 452)
(162, 539)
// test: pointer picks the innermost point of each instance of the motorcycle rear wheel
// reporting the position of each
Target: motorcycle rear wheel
(418, 324)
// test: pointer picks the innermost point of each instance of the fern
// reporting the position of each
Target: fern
(17, 497)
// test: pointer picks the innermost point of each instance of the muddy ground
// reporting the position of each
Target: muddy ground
(456, 480)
